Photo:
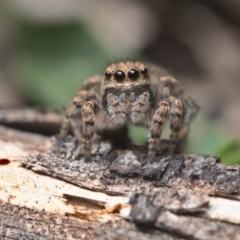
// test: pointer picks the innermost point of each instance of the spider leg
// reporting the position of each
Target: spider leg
(65, 127)
(176, 114)
(169, 85)
(74, 111)
(159, 118)
(88, 118)
(183, 111)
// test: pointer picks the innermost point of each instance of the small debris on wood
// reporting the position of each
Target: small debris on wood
(4, 161)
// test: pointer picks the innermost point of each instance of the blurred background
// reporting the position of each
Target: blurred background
(49, 47)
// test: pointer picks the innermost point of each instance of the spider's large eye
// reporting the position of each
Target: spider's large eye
(119, 76)
(108, 74)
(144, 71)
(133, 74)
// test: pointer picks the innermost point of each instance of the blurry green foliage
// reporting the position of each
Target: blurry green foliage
(229, 152)
(208, 137)
(138, 134)
(52, 62)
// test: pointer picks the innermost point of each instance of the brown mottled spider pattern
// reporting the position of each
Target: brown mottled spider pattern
(131, 92)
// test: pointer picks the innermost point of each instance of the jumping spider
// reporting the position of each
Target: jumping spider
(131, 91)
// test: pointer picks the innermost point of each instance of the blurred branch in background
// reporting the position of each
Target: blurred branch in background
(48, 47)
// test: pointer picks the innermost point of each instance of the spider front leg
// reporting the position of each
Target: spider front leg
(88, 118)
(80, 115)
(159, 118)
(170, 106)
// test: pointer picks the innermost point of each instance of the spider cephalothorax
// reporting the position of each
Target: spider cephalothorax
(127, 96)
(131, 91)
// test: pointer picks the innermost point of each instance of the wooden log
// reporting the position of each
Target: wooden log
(46, 193)
(31, 120)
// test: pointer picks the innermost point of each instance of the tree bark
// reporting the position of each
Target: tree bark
(48, 192)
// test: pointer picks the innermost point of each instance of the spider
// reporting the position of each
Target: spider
(131, 92)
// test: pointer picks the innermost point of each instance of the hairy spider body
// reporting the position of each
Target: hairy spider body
(131, 92)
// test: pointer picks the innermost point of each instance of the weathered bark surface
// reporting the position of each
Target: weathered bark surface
(48, 192)
(25, 223)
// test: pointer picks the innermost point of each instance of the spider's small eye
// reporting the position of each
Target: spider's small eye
(108, 74)
(144, 71)
(133, 74)
(119, 76)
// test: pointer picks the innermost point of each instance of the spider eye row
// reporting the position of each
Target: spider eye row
(119, 75)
